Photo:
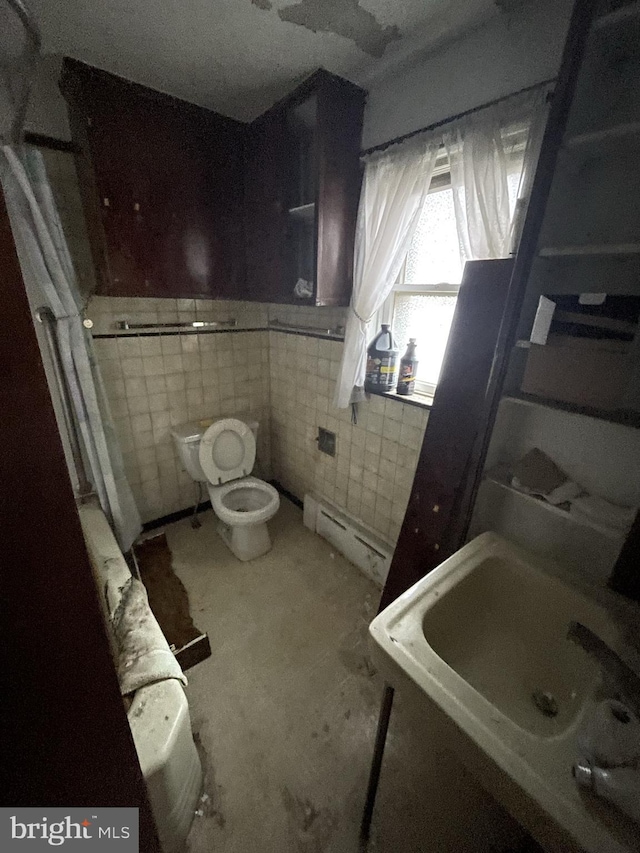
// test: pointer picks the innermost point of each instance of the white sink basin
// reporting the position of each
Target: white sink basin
(480, 637)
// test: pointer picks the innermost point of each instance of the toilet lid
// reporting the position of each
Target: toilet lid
(227, 451)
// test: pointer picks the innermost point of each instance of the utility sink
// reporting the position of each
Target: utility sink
(484, 639)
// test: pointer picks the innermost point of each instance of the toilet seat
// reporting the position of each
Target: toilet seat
(227, 451)
(245, 501)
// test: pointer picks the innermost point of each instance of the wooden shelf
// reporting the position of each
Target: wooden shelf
(624, 417)
(305, 212)
(596, 138)
(594, 249)
(500, 478)
(631, 10)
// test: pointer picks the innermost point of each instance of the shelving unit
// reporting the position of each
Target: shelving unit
(304, 212)
(631, 10)
(602, 456)
(501, 479)
(594, 249)
(597, 138)
(626, 418)
(544, 530)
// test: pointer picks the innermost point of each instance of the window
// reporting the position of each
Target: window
(423, 301)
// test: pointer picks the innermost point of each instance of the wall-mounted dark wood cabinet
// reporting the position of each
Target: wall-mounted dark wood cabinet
(301, 194)
(162, 188)
(181, 201)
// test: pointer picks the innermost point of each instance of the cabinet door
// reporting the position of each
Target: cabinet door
(167, 186)
(302, 186)
(198, 208)
(265, 215)
(125, 187)
(340, 112)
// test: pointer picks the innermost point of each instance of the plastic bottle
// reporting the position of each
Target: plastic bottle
(408, 370)
(382, 362)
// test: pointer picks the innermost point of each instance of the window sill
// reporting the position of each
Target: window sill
(422, 401)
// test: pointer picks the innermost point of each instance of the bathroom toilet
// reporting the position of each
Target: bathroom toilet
(222, 455)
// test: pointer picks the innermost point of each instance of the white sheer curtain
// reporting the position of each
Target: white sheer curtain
(488, 151)
(393, 191)
(47, 268)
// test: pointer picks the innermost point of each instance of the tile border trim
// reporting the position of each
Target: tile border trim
(286, 493)
(173, 516)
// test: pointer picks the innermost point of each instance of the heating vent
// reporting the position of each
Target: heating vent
(370, 554)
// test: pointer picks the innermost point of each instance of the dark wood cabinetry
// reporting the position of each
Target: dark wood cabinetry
(183, 202)
(301, 193)
(162, 184)
(265, 207)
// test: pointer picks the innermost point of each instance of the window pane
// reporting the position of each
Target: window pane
(513, 185)
(434, 255)
(427, 318)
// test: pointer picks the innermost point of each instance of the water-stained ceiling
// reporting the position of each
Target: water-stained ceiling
(239, 56)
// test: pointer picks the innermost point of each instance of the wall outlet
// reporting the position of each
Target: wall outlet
(326, 441)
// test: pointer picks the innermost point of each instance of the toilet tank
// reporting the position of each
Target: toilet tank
(187, 440)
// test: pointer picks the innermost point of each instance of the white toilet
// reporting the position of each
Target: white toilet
(222, 455)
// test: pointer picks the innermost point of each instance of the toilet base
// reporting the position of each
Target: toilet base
(246, 542)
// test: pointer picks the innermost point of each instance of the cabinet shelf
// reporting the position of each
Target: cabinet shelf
(304, 212)
(631, 10)
(596, 138)
(624, 417)
(594, 249)
(500, 478)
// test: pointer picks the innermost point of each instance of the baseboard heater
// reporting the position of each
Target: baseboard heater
(348, 536)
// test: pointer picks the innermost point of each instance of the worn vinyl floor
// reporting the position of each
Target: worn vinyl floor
(285, 711)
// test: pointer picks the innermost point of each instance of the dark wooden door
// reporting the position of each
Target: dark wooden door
(66, 738)
(433, 526)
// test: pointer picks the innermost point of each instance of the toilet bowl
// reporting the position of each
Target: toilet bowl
(223, 455)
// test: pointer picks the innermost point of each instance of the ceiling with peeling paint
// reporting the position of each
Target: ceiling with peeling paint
(239, 56)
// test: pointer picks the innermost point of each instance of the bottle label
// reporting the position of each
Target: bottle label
(406, 372)
(381, 372)
(407, 378)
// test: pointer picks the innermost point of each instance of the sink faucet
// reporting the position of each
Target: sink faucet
(626, 681)
(620, 784)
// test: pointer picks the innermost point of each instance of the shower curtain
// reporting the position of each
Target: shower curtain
(47, 268)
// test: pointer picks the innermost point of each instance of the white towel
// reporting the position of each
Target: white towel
(144, 656)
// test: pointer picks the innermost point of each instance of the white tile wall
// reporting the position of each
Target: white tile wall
(106, 311)
(372, 472)
(156, 382)
(284, 380)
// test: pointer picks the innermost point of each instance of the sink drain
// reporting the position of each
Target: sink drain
(545, 703)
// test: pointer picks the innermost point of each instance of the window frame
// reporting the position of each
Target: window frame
(427, 389)
(441, 180)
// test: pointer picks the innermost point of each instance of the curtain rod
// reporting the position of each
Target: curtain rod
(383, 145)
